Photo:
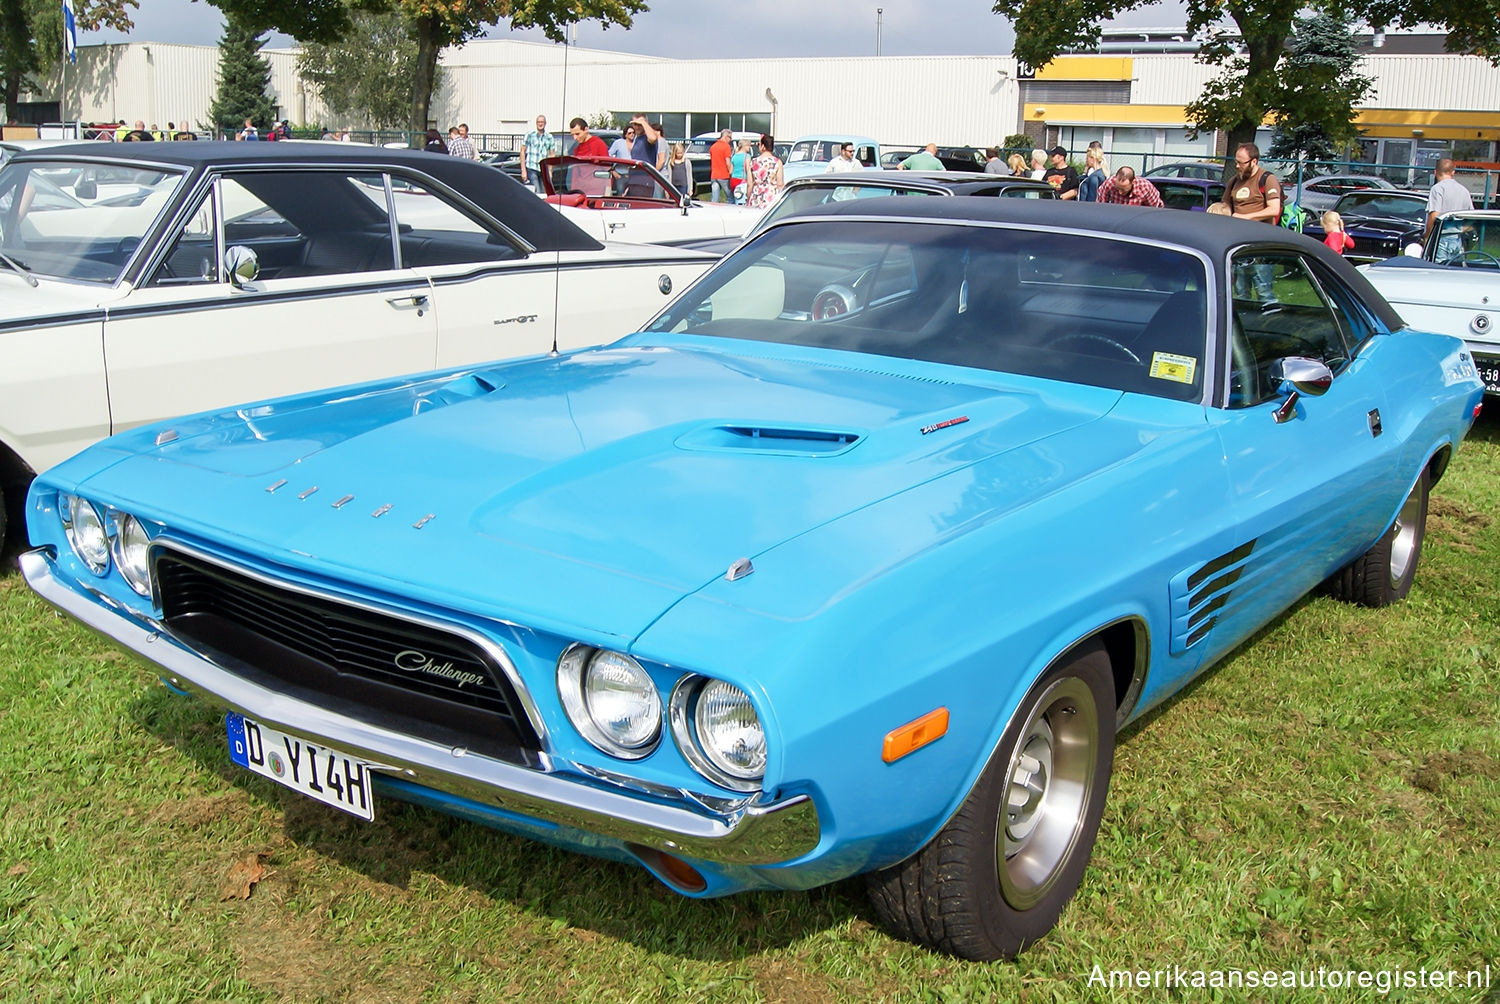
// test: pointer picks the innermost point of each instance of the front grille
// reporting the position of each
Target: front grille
(441, 684)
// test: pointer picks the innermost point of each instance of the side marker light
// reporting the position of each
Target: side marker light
(914, 735)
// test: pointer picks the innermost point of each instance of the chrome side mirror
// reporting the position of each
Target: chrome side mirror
(241, 264)
(1412, 250)
(1295, 376)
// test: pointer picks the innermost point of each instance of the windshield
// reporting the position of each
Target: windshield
(814, 149)
(1471, 241)
(1070, 307)
(77, 220)
(1375, 202)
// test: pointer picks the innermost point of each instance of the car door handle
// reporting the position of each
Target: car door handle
(410, 300)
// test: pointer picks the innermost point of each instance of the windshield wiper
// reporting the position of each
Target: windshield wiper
(25, 272)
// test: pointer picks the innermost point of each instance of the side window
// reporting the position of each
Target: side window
(1280, 310)
(308, 223)
(192, 260)
(434, 231)
(865, 155)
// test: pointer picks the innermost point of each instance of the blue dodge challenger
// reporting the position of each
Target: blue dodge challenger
(853, 560)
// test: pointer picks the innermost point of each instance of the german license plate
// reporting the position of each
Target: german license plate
(1489, 372)
(331, 777)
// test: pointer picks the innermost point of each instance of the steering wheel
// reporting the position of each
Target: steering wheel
(1478, 256)
(1084, 336)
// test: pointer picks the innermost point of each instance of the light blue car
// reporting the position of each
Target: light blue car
(816, 153)
(854, 560)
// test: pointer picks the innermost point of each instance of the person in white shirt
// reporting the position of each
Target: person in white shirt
(845, 161)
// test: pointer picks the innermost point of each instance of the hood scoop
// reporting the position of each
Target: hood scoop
(769, 439)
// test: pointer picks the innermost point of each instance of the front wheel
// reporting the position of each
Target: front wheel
(997, 876)
(1384, 573)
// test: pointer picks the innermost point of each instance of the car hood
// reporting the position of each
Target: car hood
(587, 492)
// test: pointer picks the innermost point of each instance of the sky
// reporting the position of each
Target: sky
(710, 28)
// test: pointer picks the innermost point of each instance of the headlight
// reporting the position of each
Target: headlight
(610, 700)
(130, 553)
(719, 732)
(85, 531)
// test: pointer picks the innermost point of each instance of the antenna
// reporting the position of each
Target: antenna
(557, 261)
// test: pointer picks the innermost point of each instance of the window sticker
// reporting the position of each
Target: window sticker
(1167, 366)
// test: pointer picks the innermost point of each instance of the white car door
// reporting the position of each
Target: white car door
(493, 297)
(330, 304)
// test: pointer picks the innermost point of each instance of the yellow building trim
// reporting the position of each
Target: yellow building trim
(1169, 116)
(1387, 123)
(1088, 68)
(1408, 123)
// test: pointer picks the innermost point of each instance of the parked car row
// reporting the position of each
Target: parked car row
(686, 599)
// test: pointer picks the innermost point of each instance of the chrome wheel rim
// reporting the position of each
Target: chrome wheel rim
(1404, 535)
(1048, 784)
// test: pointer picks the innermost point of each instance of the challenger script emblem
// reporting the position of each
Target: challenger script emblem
(411, 661)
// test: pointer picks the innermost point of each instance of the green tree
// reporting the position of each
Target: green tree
(1253, 82)
(31, 36)
(243, 81)
(367, 74)
(1315, 118)
(436, 24)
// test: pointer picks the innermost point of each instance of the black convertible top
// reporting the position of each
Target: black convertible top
(1215, 236)
(506, 200)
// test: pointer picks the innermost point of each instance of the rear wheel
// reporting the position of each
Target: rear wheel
(997, 876)
(1384, 573)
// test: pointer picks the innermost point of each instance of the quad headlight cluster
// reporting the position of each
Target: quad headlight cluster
(614, 704)
(99, 539)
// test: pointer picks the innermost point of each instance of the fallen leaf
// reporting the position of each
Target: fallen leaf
(20, 869)
(243, 875)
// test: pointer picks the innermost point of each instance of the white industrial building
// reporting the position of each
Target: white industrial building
(1129, 94)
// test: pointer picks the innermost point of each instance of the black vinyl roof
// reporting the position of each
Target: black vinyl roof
(500, 196)
(1215, 236)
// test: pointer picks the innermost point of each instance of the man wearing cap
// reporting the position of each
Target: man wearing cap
(1062, 175)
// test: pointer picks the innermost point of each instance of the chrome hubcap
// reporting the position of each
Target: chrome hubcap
(1404, 542)
(1048, 784)
(1028, 787)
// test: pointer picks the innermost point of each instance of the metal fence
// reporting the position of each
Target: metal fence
(1482, 180)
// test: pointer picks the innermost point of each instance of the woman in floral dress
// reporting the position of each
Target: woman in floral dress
(765, 175)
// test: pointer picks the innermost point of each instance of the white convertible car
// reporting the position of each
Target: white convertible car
(148, 280)
(1452, 285)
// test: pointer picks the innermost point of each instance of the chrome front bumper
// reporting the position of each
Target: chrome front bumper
(735, 831)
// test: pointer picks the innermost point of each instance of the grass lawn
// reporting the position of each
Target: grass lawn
(1329, 797)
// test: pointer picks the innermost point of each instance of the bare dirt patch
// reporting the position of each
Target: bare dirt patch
(1437, 768)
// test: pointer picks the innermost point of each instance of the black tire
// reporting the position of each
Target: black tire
(985, 888)
(1384, 573)
(3, 521)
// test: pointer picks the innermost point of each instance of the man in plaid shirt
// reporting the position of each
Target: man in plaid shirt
(1125, 189)
(459, 143)
(538, 145)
